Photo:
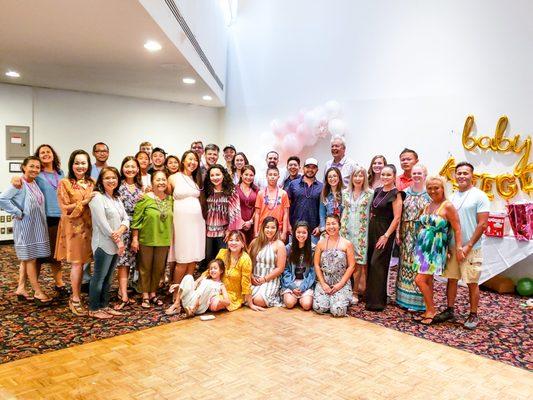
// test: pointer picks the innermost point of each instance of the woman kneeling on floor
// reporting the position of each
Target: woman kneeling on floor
(208, 292)
(334, 265)
(268, 256)
(298, 279)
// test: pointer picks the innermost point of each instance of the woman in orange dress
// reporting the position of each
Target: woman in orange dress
(75, 227)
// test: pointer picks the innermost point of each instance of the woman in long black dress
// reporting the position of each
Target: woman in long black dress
(385, 215)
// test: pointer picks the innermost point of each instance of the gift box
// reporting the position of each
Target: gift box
(495, 225)
(521, 219)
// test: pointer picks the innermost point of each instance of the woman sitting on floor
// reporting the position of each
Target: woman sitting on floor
(208, 292)
(298, 279)
(30, 232)
(334, 265)
(268, 256)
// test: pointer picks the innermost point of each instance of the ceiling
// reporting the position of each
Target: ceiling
(94, 46)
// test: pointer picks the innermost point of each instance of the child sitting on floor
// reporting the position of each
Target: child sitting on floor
(208, 292)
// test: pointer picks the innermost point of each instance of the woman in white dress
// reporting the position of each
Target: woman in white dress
(268, 256)
(188, 242)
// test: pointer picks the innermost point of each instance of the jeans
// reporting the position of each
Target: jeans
(86, 273)
(104, 267)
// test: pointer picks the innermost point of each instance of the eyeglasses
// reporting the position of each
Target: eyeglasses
(101, 151)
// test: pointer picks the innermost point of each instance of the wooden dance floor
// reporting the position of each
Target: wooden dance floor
(277, 354)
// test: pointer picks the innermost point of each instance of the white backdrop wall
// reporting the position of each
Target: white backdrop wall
(70, 120)
(407, 73)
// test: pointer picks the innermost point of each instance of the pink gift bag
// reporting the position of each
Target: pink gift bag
(521, 219)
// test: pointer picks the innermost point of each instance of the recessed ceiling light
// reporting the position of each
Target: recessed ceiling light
(152, 45)
(13, 74)
(207, 97)
(189, 81)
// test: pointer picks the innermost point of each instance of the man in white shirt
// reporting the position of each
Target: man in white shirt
(473, 207)
(272, 160)
(345, 164)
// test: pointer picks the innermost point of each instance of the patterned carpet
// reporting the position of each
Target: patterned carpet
(503, 335)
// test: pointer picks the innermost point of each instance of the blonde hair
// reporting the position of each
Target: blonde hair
(437, 178)
(423, 167)
(359, 169)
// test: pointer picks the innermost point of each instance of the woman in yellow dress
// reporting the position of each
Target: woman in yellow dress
(238, 272)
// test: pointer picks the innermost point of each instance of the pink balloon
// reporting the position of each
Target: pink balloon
(291, 145)
(277, 128)
(302, 133)
(292, 124)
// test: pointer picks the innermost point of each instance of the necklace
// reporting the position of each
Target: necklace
(162, 206)
(267, 199)
(53, 183)
(308, 190)
(462, 202)
(437, 205)
(376, 205)
(34, 189)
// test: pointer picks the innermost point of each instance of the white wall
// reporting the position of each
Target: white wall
(406, 72)
(70, 120)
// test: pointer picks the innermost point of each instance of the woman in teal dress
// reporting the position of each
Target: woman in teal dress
(416, 198)
(432, 243)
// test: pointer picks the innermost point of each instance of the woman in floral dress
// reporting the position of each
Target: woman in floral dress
(356, 202)
(407, 294)
(130, 192)
(334, 265)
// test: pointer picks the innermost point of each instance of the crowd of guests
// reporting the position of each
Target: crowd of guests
(260, 237)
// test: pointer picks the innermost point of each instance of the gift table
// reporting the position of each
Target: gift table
(500, 254)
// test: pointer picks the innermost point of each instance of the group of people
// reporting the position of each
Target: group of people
(267, 237)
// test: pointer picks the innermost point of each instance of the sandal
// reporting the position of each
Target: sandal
(76, 307)
(173, 310)
(189, 312)
(110, 311)
(24, 298)
(42, 302)
(419, 318)
(123, 303)
(428, 321)
(156, 301)
(100, 314)
(146, 304)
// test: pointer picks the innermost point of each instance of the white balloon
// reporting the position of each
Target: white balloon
(277, 128)
(291, 145)
(336, 127)
(333, 109)
(311, 120)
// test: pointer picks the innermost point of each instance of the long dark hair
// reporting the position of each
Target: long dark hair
(100, 181)
(326, 190)
(227, 183)
(305, 251)
(371, 173)
(56, 163)
(261, 240)
(253, 186)
(196, 175)
(71, 174)
(137, 180)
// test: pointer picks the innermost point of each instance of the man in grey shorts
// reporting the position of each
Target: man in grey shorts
(473, 207)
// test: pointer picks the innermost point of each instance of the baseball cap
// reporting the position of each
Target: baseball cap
(311, 161)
